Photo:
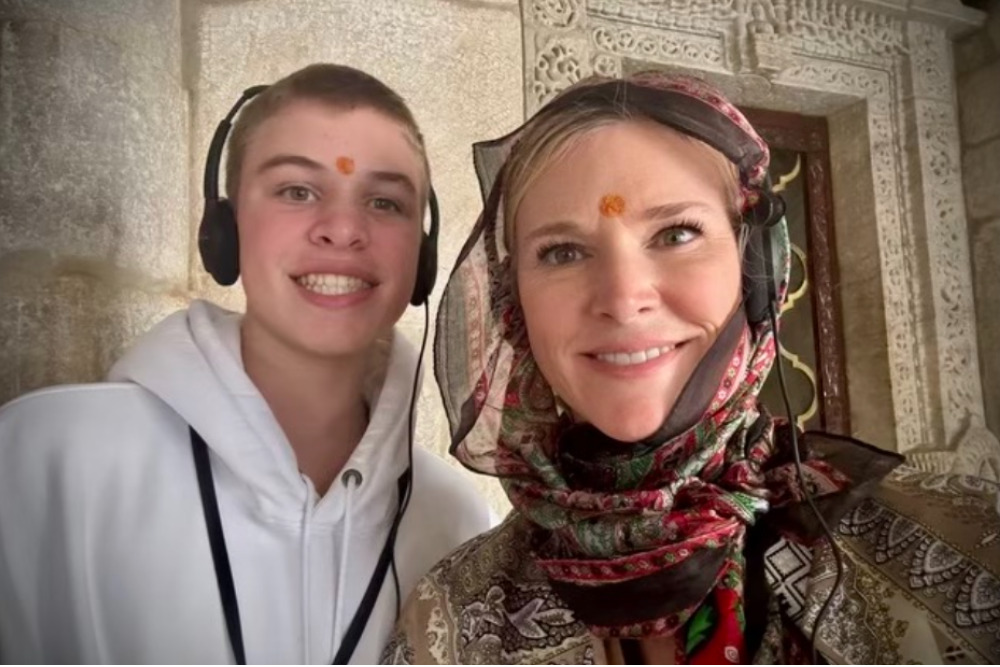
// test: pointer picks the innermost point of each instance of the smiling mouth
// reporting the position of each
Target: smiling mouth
(331, 284)
(633, 358)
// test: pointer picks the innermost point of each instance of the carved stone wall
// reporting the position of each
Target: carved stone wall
(820, 57)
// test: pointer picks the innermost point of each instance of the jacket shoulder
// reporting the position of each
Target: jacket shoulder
(916, 554)
(488, 603)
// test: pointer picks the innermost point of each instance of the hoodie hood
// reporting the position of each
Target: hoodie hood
(200, 348)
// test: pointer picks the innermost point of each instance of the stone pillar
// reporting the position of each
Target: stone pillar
(93, 183)
(939, 224)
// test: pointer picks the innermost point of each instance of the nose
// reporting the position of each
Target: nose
(623, 287)
(340, 226)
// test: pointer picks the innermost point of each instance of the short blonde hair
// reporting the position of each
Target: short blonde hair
(550, 135)
(338, 86)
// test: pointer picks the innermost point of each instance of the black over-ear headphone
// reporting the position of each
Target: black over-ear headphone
(218, 238)
(760, 276)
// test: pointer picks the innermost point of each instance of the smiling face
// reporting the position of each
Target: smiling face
(627, 269)
(328, 210)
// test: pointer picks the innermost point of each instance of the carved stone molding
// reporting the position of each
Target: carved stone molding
(557, 13)
(935, 139)
(930, 62)
(893, 56)
(557, 63)
(977, 453)
(695, 51)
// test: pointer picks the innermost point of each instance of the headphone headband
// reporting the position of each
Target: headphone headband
(214, 159)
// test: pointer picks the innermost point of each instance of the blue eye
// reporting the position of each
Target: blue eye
(678, 234)
(559, 254)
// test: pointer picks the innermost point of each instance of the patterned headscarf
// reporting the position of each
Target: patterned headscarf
(640, 539)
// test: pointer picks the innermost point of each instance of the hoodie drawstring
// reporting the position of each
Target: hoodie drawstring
(352, 480)
(306, 524)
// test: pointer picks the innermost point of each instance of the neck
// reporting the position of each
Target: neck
(319, 402)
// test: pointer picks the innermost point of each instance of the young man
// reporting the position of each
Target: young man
(115, 546)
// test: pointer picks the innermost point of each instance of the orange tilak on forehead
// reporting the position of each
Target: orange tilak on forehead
(345, 165)
(612, 206)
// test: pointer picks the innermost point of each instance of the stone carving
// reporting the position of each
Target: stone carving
(836, 29)
(901, 67)
(958, 363)
(695, 51)
(930, 62)
(768, 53)
(606, 65)
(827, 28)
(936, 131)
(977, 453)
(557, 66)
(674, 14)
(557, 13)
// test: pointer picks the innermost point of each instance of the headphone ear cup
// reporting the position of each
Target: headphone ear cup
(426, 271)
(755, 275)
(218, 242)
(759, 274)
(769, 209)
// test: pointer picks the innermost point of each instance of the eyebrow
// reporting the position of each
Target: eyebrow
(652, 213)
(393, 177)
(295, 160)
(552, 229)
(312, 165)
(671, 210)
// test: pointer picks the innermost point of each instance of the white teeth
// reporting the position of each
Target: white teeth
(332, 284)
(627, 359)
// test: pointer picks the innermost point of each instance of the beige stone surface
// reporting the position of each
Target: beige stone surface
(456, 62)
(93, 184)
(979, 103)
(149, 28)
(993, 23)
(67, 322)
(981, 166)
(973, 51)
(93, 145)
(861, 290)
(978, 64)
(986, 261)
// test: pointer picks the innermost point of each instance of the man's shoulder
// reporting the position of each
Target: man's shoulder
(58, 422)
(67, 407)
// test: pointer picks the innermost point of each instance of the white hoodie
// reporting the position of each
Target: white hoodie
(104, 554)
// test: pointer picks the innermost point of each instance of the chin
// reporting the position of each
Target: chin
(333, 343)
(629, 424)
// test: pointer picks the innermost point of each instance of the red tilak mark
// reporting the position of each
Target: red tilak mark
(345, 165)
(612, 206)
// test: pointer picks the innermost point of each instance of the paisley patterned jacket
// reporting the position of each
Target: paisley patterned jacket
(921, 585)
